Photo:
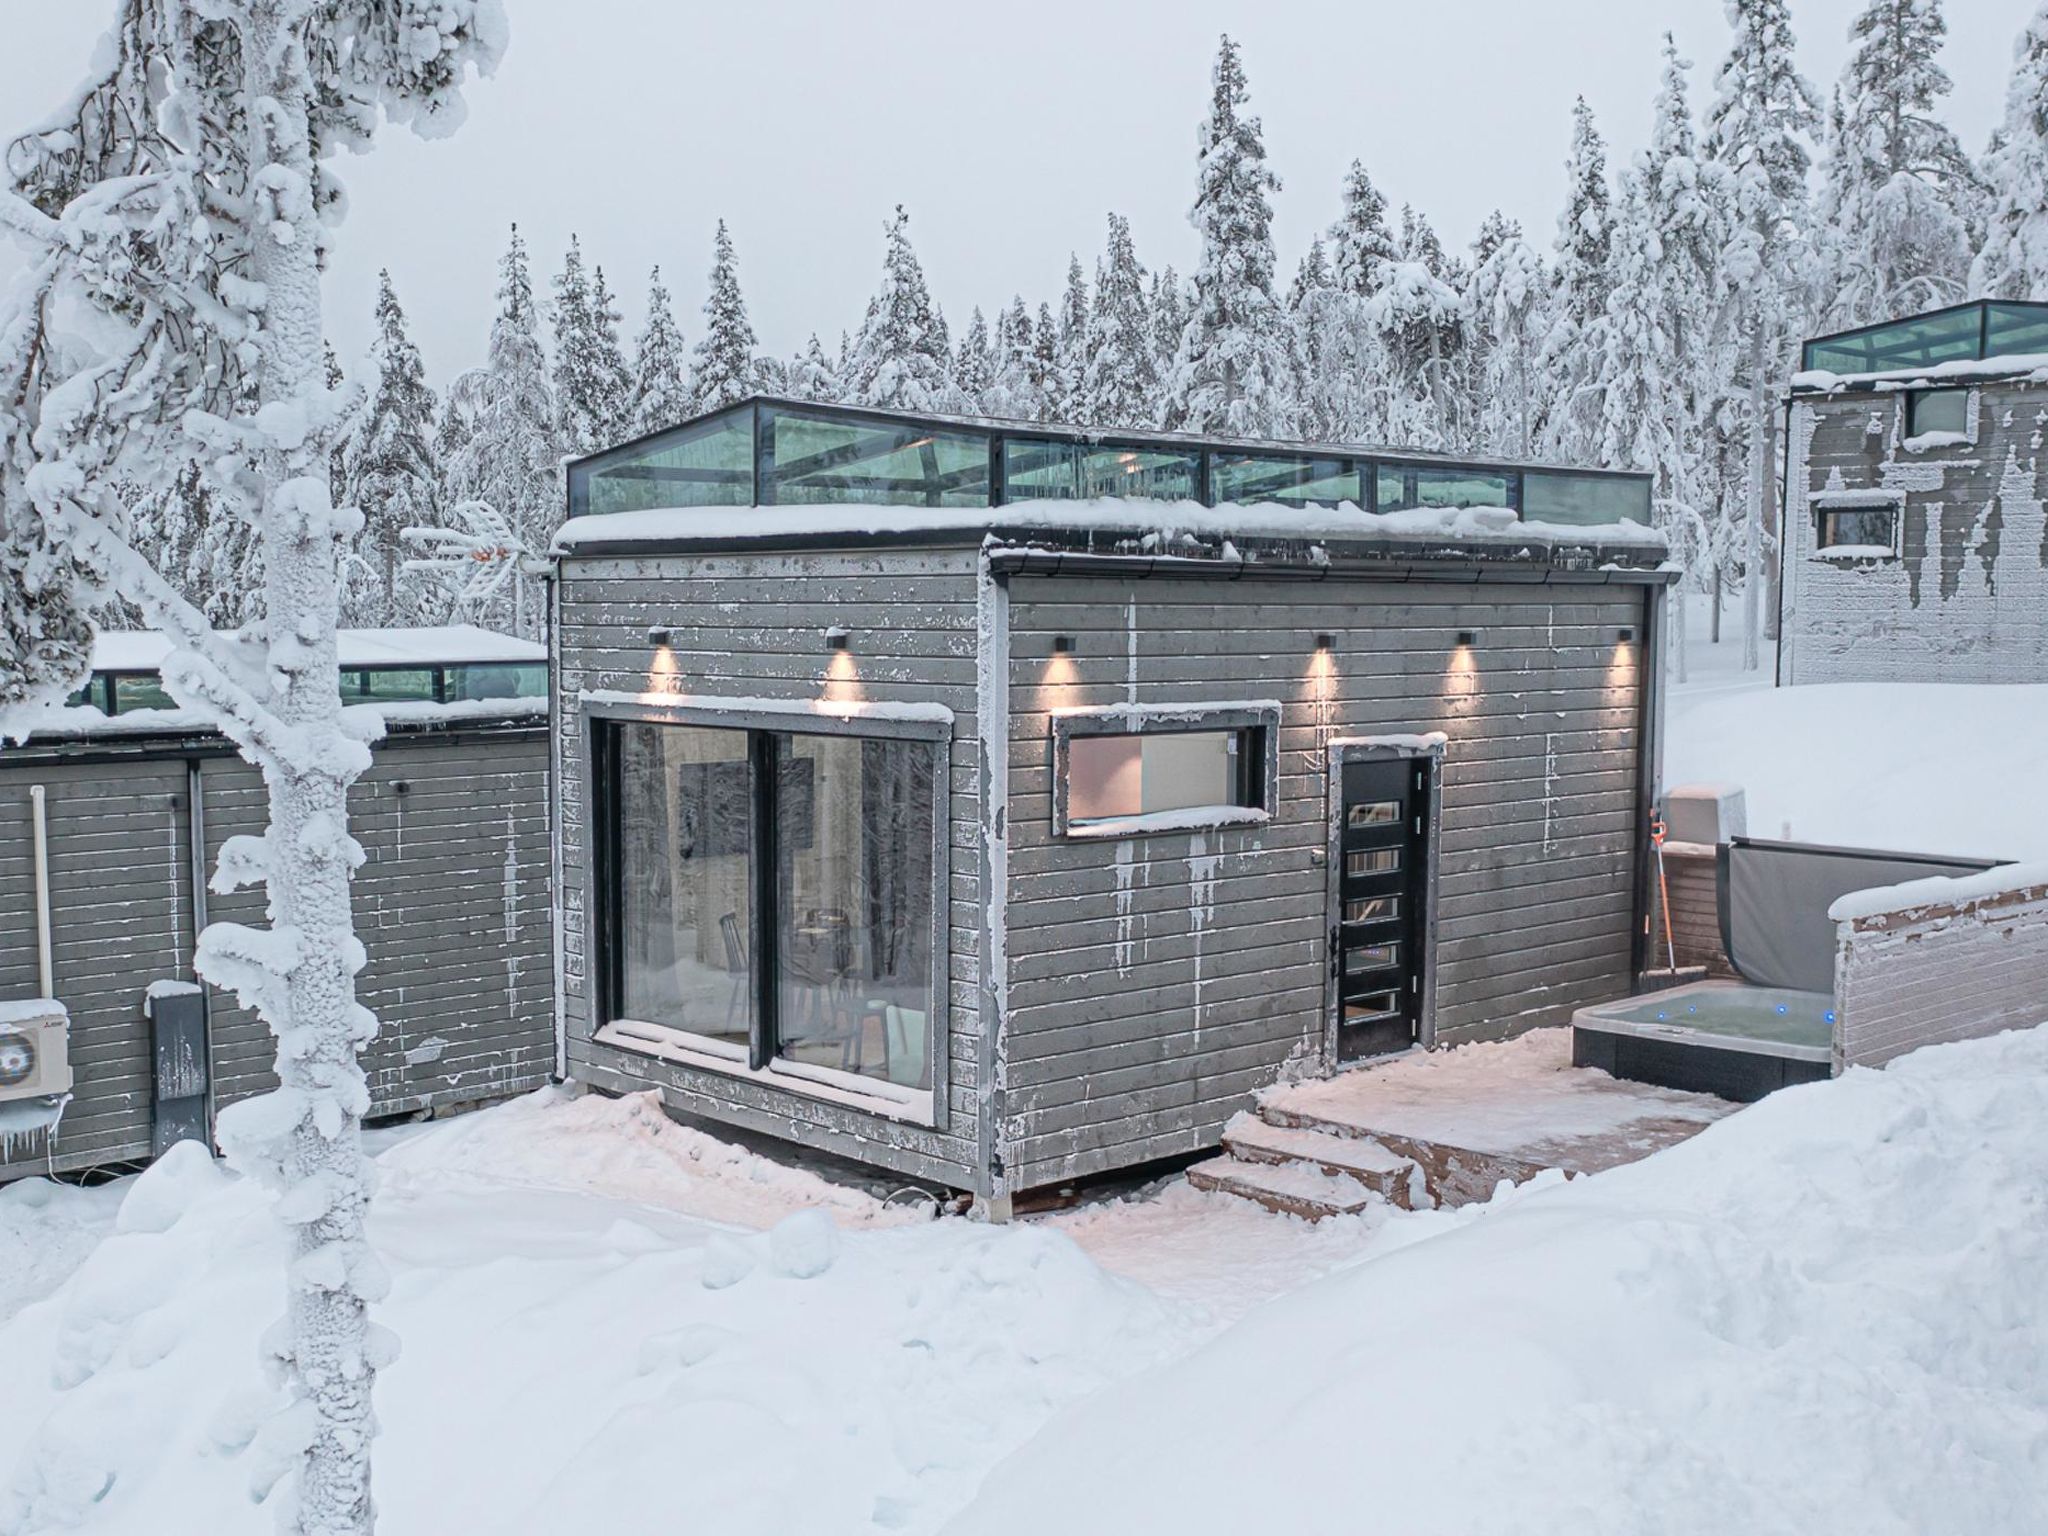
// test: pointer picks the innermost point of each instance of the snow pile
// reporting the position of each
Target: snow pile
(1823, 1314)
(569, 1355)
(1901, 766)
(46, 1230)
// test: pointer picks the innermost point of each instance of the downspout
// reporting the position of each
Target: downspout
(39, 815)
(551, 587)
(195, 825)
(992, 1173)
(1784, 538)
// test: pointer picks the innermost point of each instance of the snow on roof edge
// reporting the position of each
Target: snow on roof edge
(1167, 520)
(143, 650)
(1939, 890)
(2032, 364)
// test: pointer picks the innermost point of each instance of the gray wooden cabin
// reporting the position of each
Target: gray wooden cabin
(1916, 549)
(1002, 805)
(135, 802)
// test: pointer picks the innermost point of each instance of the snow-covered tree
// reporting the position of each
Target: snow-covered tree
(1361, 245)
(974, 361)
(902, 358)
(2014, 261)
(1045, 366)
(1067, 387)
(1233, 371)
(1013, 391)
(1569, 424)
(1122, 377)
(1509, 304)
(1759, 127)
(661, 390)
(813, 375)
(175, 212)
(1172, 307)
(585, 401)
(389, 470)
(722, 367)
(1892, 226)
(510, 456)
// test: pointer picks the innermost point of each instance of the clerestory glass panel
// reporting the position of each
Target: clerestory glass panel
(810, 457)
(1584, 500)
(1406, 487)
(1245, 478)
(709, 463)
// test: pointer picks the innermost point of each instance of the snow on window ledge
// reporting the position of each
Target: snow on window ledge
(1848, 554)
(875, 1096)
(1926, 442)
(1191, 819)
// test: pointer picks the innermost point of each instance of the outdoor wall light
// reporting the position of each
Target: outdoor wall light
(1468, 637)
(1627, 634)
(660, 634)
(1062, 645)
(837, 638)
(1324, 642)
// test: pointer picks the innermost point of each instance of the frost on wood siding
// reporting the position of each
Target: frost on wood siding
(753, 626)
(120, 918)
(1940, 970)
(451, 906)
(1155, 982)
(1964, 598)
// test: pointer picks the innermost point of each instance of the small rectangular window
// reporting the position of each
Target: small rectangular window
(1371, 957)
(1121, 772)
(141, 690)
(1373, 1005)
(1869, 531)
(1372, 909)
(1372, 861)
(1938, 410)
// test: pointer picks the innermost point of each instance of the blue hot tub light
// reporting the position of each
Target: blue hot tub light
(1829, 1016)
(1783, 1009)
(1662, 1016)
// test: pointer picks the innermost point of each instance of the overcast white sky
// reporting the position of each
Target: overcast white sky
(1008, 131)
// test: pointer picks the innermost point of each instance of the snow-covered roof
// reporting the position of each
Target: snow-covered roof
(22, 723)
(130, 650)
(1167, 522)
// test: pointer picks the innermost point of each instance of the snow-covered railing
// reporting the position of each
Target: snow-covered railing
(1941, 959)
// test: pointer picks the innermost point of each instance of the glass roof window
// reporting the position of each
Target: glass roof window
(770, 452)
(1964, 333)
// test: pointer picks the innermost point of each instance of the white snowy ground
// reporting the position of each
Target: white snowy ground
(1912, 767)
(1826, 1314)
(596, 1335)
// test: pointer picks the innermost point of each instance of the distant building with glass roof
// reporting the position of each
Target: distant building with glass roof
(1962, 333)
(772, 452)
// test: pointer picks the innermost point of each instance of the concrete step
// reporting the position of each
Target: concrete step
(1253, 1140)
(1292, 1189)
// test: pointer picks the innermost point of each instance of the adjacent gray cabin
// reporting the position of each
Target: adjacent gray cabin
(113, 810)
(1005, 804)
(1915, 545)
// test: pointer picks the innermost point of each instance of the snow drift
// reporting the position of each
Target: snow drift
(1823, 1314)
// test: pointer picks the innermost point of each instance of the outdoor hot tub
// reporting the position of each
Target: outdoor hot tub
(1722, 1037)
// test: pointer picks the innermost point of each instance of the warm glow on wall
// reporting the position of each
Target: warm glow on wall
(842, 681)
(1060, 671)
(664, 673)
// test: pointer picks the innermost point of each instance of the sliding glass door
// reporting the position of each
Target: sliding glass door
(774, 890)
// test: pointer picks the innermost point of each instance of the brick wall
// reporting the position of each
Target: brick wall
(1690, 873)
(1936, 967)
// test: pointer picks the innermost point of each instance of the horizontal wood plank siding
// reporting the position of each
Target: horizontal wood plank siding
(753, 627)
(1156, 982)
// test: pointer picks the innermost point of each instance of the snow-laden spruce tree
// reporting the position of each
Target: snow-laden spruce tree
(1045, 366)
(1361, 245)
(592, 387)
(1172, 306)
(389, 472)
(175, 211)
(1234, 371)
(813, 375)
(661, 389)
(974, 361)
(1012, 392)
(1067, 388)
(1419, 319)
(902, 359)
(1121, 381)
(1511, 316)
(511, 448)
(1571, 351)
(2014, 261)
(722, 367)
(1897, 187)
(1760, 125)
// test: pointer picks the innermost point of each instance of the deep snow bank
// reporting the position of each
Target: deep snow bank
(1826, 1314)
(594, 1356)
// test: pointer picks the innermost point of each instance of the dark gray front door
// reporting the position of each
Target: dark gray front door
(1378, 946)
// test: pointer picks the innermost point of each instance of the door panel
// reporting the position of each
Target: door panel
(1377, 944)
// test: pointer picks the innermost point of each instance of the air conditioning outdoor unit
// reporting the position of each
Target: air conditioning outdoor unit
(35, 1049)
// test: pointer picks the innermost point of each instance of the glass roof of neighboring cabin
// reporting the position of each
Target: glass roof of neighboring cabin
(1965, 333)
(767, 452)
